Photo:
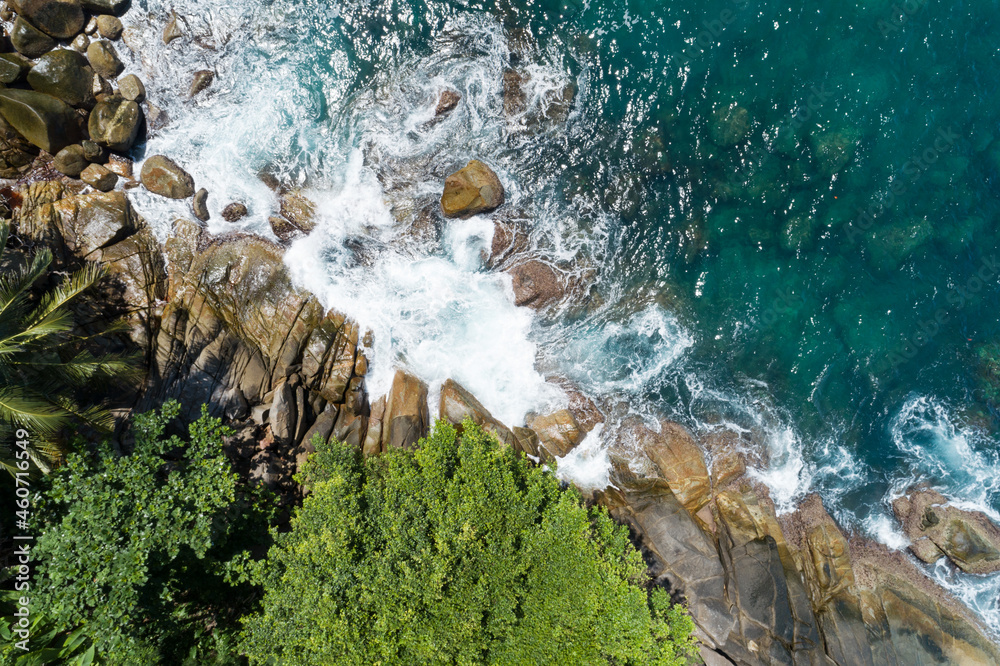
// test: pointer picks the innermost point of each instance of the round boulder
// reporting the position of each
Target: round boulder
(70, 161)
(109, 27)
(61, 19)
(64, 74)
(131, 88)
(115, 122)
(233, 212)
(200, 205)
(161, 175)
(43, 120)
(471, 190)
(29, 40)
(104, 59)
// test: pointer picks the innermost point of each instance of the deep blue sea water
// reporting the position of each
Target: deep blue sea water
(787, 213)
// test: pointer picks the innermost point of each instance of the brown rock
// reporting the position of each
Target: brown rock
(120, 165)
(200, 205)
(99, 178)
(282, 228)
(161, 175)
(298, 210)
(471, 190)
(968, 538)
(104, 59)
(447, 102)
(234, 212)
(172, 30)
(677, 458)
(406, 418)
(70, 160)
(110, 27)
(536, 284)
(558, 433)
(457, 404)
(202, 80)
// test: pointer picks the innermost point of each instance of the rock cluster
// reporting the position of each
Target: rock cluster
(59, 92)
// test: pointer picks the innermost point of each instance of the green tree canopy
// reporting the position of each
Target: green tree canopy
(146, 551)
(458, 553)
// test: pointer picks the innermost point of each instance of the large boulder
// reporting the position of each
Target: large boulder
(676, 456)
(114, 7)
(13, 67)
(471, 190)
(46, 122)
(234, 320)
(558, 433)
(115, 122)
(64, 74)
(457, 404)
(61, 19)
(936, 529)
(161, 175)
(406, 416)
(29, 40)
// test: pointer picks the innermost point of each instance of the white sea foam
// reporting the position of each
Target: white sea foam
(588, 465)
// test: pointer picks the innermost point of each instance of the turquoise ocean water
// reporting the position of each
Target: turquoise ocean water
(786, 215)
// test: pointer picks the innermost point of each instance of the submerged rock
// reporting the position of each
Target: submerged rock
(29, 40)
(730, 125)
(43, 120)
(64, 74)
(202, 80)
(115, 123)
(161, 175)
(471, 190)
(833, 149)
(968, 538)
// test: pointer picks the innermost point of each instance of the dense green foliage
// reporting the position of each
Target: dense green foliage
(43, 366)
(146, 552)
(458, 553)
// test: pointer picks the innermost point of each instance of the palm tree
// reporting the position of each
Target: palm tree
(43, 365)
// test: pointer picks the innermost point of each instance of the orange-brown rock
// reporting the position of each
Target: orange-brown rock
(406, 418)
(471, 190)
(457, 404)
(558, 433)
(677, 458)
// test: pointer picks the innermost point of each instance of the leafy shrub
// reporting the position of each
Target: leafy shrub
(147, 551)
(458, 553)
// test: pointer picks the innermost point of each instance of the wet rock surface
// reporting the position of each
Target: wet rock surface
(161, 175)
(471, 190)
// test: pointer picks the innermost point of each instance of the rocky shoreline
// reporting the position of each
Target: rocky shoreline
(221, 323)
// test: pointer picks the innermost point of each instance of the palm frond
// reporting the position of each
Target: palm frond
(22, 408)
(94, 416)
(55, 299)
(14, 285)
(85, 367)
